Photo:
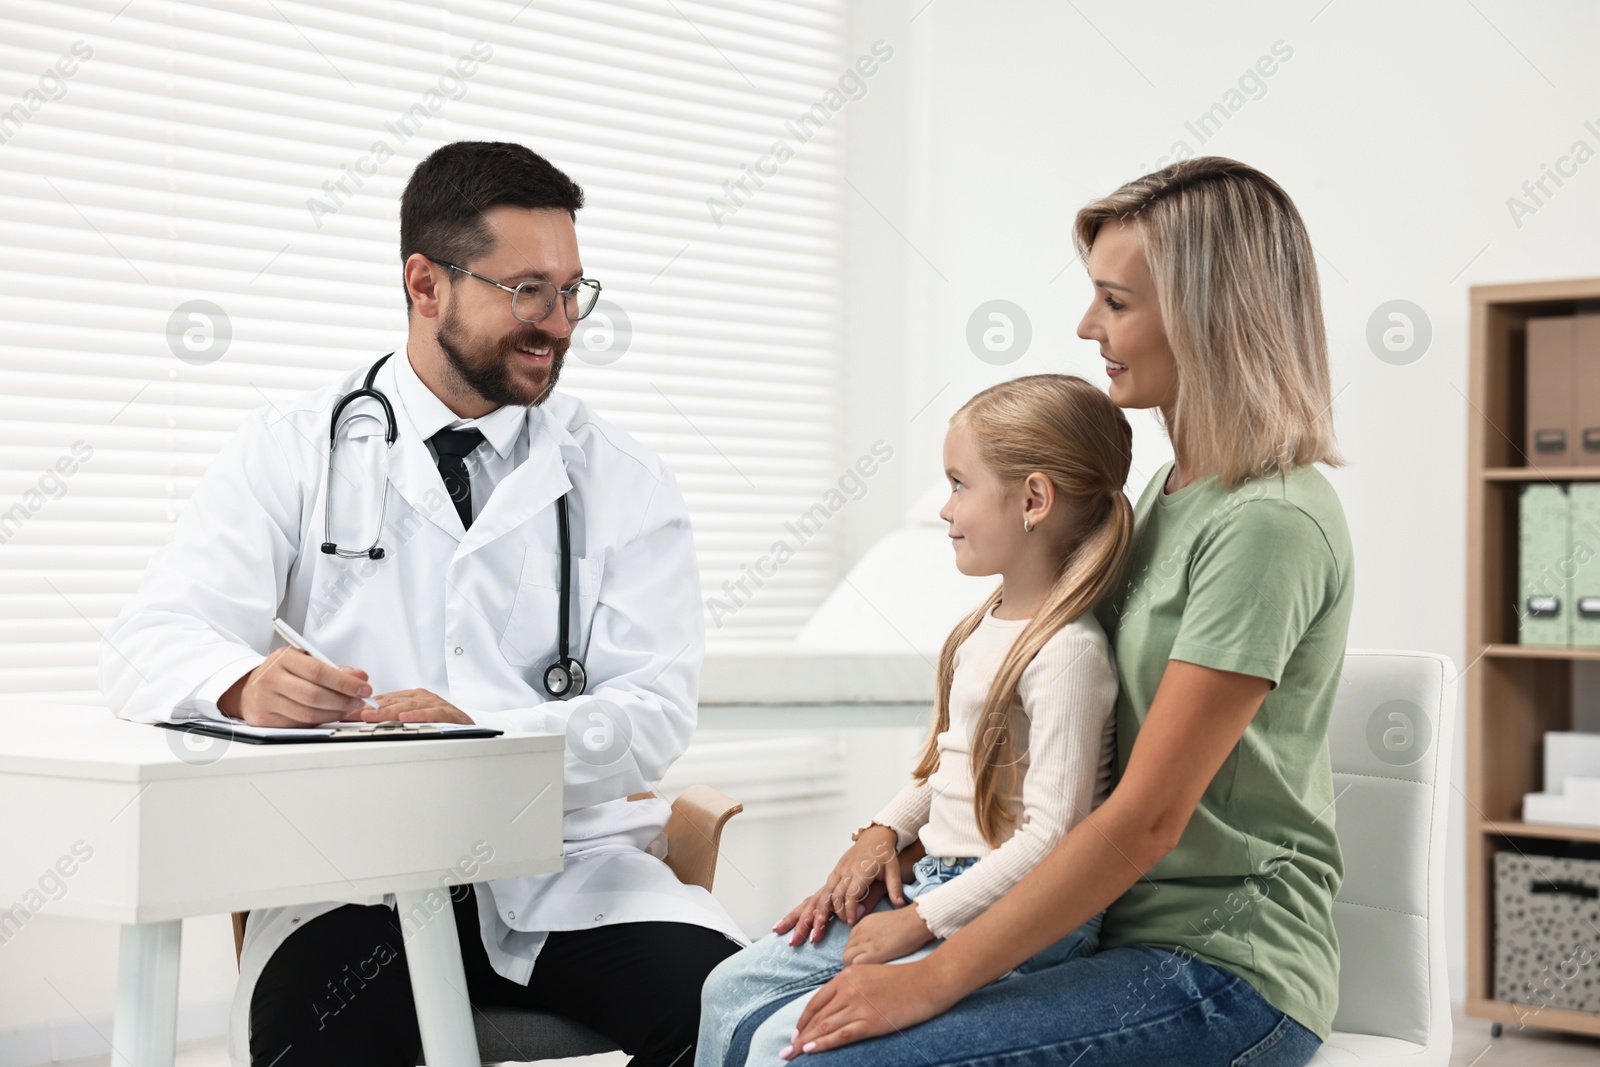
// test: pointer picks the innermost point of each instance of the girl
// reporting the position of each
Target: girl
(1022, 744)
(1229, 638)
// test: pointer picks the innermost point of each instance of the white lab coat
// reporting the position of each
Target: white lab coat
(468, 615)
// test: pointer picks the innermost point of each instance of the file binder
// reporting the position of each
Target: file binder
(1583, 502)
(1552, 407)
(1586, 363)
(1544, 613)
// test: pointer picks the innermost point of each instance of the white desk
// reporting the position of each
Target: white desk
(152, 828)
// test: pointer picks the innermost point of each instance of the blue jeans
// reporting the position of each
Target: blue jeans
(753, 999)
(930, 871)
(1135, 1006)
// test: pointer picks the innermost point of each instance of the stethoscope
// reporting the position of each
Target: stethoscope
(563, 678)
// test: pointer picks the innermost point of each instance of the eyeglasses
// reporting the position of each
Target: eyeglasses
(532, 301)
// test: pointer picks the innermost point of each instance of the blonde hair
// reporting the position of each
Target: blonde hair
(1069, 431)
(1236, 279)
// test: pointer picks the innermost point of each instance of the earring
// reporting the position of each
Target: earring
(1027, 527)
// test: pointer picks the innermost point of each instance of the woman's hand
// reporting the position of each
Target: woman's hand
(886, 936)
(870, 860)
(869, 1000)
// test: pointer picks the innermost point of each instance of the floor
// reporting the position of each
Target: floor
(1473, 1048)
(215, 1054)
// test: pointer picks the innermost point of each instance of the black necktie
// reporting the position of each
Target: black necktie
(453, 447)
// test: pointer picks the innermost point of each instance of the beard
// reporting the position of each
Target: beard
(495, 370)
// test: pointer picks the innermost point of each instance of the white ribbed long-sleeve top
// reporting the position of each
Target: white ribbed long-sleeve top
(1065, 748)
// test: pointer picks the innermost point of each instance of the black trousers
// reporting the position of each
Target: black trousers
(337, 990)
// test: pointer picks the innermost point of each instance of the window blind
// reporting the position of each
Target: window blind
(199, 216)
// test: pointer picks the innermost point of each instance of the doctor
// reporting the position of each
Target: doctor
(436, 575)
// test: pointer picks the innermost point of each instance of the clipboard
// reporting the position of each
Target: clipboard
(370, 731)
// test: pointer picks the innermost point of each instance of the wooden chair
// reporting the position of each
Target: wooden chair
(694, 832)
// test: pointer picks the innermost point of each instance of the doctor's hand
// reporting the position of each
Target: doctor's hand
(291, 688)
(414, 705)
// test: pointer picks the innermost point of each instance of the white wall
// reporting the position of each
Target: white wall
(58, 986)
(1400, 129)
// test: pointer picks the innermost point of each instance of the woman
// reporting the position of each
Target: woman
(1215, 853)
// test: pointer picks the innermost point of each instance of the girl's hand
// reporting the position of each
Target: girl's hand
(868, 869)
(853, 888)
(809, 920)
(887, 935)
(870, 859)
(868, 1000)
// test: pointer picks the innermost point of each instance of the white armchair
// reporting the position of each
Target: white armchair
(1391, 774)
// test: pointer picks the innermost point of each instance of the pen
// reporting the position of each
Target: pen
(293, 639)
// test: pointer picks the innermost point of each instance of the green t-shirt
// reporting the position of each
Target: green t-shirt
(1258, 581)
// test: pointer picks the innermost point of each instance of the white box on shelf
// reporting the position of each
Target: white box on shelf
(1557, 809)
(1544, 807)
(1583, 795)
(1569, 754)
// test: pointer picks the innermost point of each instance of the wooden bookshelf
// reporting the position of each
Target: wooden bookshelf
(1515, 693)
